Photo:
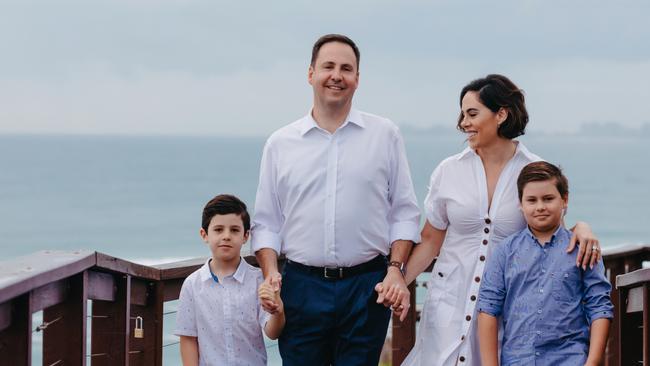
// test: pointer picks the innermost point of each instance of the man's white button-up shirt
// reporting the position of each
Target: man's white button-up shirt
(226, 316)
(335, 199)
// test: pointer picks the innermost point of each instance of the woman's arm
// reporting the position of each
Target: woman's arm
(424, 253)
(190, 351)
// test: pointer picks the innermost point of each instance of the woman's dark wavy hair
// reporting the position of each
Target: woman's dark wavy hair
(496, 92)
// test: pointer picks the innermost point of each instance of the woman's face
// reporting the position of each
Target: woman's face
(479, 122)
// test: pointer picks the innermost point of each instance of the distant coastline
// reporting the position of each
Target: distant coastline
(589, 129)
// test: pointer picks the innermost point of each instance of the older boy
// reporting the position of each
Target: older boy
(547, 303)
(220, 318)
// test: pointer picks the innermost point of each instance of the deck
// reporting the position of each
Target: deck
(62, 283)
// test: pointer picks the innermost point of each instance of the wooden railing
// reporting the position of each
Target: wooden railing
(60, 283)
(634, 315)
(618, 261)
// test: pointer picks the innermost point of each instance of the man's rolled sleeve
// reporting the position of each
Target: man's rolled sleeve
(267, 220)
(492, 292)
(404, 214)
(596, 298)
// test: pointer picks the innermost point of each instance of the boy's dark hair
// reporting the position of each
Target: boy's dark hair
(540, 171)
(333, 38)
(225, 204)
(496, 92)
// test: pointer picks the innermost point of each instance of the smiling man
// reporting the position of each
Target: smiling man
(335, 196)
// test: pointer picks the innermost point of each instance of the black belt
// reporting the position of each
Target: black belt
(337, 273)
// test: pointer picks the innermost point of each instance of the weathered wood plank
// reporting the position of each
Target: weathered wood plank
(634, 300)
(23, 274)
(64, 339)
(16, 339)
(5, 315)
(139, 290)
(110, 263)
(633, 278)
(101, 286)
(147, 351)
(48, 295)
(172, 288)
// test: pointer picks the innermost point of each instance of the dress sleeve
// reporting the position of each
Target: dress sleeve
(435, 207)
(185, 314)
(267, 220)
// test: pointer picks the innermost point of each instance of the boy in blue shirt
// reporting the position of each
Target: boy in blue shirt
(554, 313)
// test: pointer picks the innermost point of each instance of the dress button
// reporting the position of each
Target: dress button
(462, 338)
(440, 274)
(477, 279)
(488, 221)
(468, 318)
(482, 258)
(461, 359)
(484, 241)
(473, 298)
(486, 230)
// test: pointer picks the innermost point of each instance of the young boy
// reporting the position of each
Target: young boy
(219, 318)
(547, 303)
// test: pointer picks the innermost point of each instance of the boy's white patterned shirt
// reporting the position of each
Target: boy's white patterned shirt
(227, 316)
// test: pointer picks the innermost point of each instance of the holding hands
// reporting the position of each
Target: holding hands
(269, 293)
(393, 292)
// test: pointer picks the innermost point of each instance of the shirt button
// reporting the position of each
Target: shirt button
(538, 332)
(536, 353)
(539, 311)
(468, 318)
(477, 279)
(541, 290)
(485, 242)
(486, 230)
(473, 298)
(488, 221)
(482, 258)
(461, 359)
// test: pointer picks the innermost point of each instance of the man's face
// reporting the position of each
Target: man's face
(225, 236)
(542, 205)
(334, 75)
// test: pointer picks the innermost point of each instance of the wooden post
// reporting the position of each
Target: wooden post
(646, 326)
(16, 339)
(404, 332)
(111, 326)
(64, 339)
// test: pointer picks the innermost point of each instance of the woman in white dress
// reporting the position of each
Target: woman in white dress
(471, 206)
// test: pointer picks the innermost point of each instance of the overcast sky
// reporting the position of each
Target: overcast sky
(237, 67)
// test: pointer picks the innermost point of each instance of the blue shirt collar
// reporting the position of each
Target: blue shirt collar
(559, 234)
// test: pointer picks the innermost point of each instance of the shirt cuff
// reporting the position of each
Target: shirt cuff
(405, 230)
(488, 309)
(265, 239)
(436, 223)
(600, 315)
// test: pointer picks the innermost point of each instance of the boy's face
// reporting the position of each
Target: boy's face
(225, 236)
(542, 205)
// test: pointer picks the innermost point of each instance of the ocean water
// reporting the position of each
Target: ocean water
(140, 198)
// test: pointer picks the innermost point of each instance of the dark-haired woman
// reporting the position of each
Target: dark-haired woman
(471, 206)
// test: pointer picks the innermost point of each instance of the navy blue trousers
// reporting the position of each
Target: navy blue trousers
(332, 322)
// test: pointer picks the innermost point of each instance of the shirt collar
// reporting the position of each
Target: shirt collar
(205, 272)
(308, 123)
(557, 235)
(520, 149)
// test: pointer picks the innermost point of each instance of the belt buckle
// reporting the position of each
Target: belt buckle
(327, 274)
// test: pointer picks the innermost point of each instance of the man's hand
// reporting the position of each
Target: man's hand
(267, 293)
(394, 293)
(272, 282)
(588, 246)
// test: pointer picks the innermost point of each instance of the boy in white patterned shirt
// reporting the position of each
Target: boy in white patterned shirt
(219, 318)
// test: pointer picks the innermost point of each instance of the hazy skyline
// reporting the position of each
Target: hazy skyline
(223, 68)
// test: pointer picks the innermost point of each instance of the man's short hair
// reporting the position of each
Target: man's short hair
(225, 204)
(540, 171)
(333, 38)
(496, 92)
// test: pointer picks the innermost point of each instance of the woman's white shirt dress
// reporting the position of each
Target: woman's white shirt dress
(458, 202)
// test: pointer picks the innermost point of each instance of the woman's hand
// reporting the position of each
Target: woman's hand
(589, 249)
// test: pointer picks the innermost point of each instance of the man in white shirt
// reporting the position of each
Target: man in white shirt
(335, 196)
